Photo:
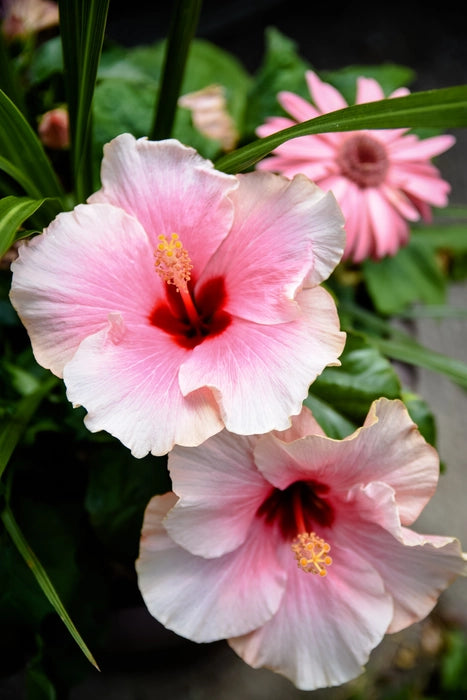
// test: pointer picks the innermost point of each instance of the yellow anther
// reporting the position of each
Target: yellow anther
(311, 553)
(173, 263)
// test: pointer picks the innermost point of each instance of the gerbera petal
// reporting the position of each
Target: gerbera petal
(325, 628)
(404, 150)
(368, 90)
(159, 182)
(129, 387)
(261, 373)
(325, 96)
(220, 491)
(426, 186)
(301, 110)
(283, 232)
(207, 599)
(89, 262)
(388, 226)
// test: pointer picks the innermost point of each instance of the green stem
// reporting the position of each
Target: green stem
(182, 31)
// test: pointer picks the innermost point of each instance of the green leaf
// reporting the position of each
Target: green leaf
(421, 414)
(119, 490)
(43, 580)
(364, 375)
(334, 424)
(443, 108)
(22, 155)
(397, 345)
(13, 212)
(82, 29)
(124, 99)
(182, 30)
(282, 69)
(413, 353)
(412, 275)
(11, 428)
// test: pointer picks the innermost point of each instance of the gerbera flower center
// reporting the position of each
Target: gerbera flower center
(363, 160)
(188, 320)
(297, 510)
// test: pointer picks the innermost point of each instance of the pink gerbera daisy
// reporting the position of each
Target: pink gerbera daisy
(295, 546)
(382, 179)
(180, 299)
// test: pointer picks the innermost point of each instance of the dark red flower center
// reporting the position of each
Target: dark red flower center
(363, 160)
(186, 329)
(302, 505)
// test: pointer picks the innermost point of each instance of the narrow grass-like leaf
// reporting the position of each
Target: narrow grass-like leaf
(22, 155)
(12, 427)
(8, 77)
(43, 580)
(413, 353)
(444, 108)
(82, 29)
(13, 212)
(397, 345)
(182, 30)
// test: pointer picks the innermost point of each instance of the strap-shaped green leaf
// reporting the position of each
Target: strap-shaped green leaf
(13, 212)
(82, 29)
(43, 580)
(444, 108)
(22, 155)
(183, 27)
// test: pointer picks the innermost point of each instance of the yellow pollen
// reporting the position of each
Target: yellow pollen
(311, 553)
(173, 263)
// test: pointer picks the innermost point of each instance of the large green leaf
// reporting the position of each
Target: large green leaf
(82, 29)
(22, 155)
(364, 375)
(443, 108)
(412, 275)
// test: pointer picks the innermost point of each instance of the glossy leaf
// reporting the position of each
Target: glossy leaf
(443, 108)
(364, 375)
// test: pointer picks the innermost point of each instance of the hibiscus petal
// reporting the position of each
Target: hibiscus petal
(207, 599)
(388, 448)
(283, 232)
(415, 568)
(129, 386)
(260, 374)
(220, 491)
(325, 628)
(89, 262)
(169, 188)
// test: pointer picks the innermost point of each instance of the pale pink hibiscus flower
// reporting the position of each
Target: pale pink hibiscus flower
(295, 546)
(382, 178)
(181, 300)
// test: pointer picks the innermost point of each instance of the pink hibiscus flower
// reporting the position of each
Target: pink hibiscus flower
(180, 299)
(382, 179)
(294, 546)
